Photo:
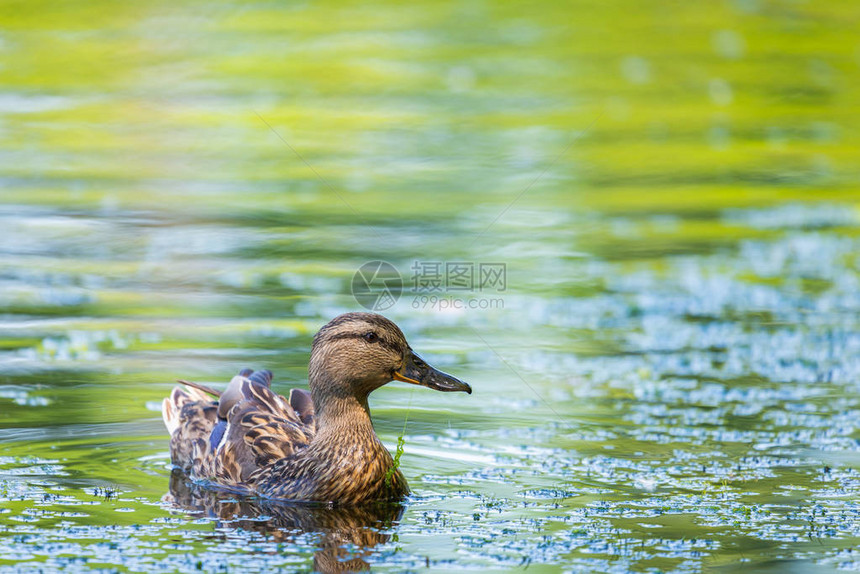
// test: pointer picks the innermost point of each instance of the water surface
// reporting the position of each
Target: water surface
(667, 382)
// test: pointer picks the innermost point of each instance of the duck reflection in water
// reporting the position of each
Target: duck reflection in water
(348, 536)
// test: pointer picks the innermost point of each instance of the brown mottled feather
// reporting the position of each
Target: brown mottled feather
(274, 439)
(261, 427)
(303, 405)
(191, 415)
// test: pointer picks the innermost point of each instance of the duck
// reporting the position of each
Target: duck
(316, 446)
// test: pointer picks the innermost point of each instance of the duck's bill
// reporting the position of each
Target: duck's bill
(417, 372)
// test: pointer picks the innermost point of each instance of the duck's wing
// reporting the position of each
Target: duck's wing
(303, 405)
(262, 427)
(248, 428)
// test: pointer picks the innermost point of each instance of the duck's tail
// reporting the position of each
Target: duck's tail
(189, 415)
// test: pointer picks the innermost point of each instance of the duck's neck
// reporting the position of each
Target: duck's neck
(343, 415)
(359, 467)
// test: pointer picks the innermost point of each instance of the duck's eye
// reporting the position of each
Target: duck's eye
(371, 337)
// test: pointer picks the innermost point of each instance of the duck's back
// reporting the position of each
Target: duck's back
(227, 441)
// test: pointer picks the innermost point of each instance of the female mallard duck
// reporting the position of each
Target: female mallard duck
(318, 446)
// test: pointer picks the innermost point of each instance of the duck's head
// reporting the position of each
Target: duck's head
(356, 353)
